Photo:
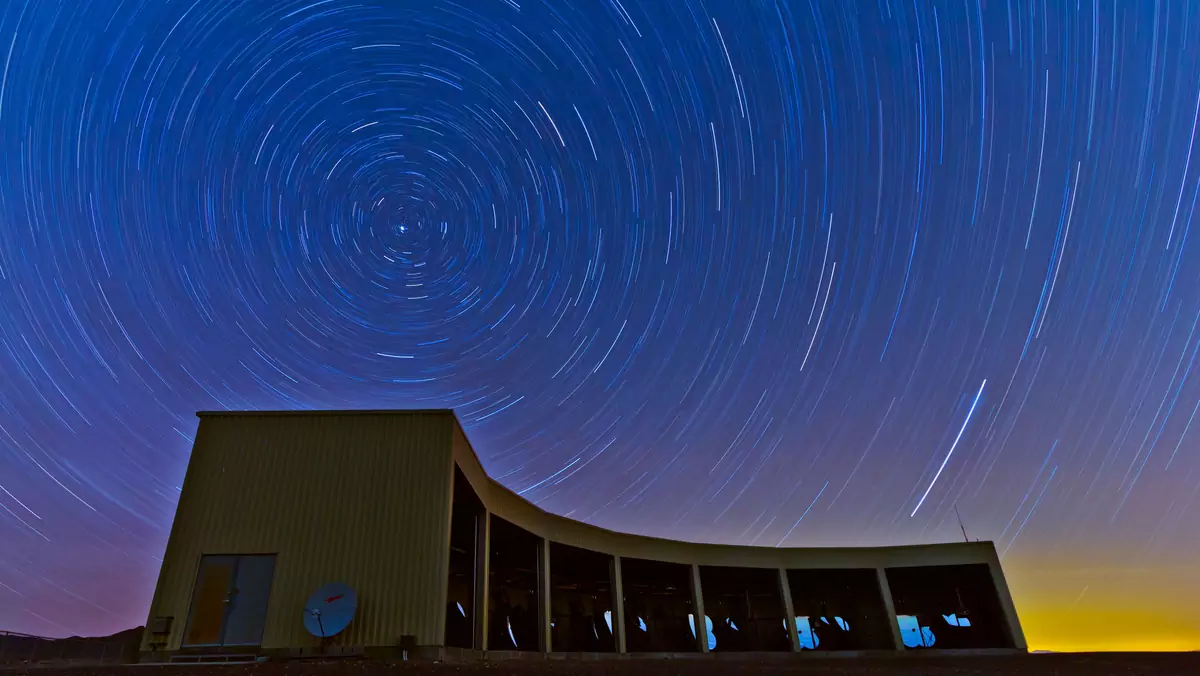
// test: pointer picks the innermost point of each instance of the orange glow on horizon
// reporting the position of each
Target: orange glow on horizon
(1074, 609)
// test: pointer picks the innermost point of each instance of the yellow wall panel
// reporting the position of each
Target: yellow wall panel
(361, 499)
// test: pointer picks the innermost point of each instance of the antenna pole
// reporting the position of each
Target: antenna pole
(960, 523)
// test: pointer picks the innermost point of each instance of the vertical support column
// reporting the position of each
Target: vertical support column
(785, 590)
(544, 596)
(889, 606)
(698, 608)
(1015, 634)
(483, 548)
(440, 621)
(618, 611)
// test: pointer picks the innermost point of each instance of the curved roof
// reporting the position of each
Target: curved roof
(506, 504)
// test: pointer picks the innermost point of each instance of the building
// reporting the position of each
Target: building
(446, 562)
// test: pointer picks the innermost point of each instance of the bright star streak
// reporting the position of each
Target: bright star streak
(952, 447)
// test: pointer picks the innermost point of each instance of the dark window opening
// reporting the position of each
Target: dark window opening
(580, 600)
(745, 607)
(658, 606)
(466, 520)
(948, 607)
(513, 575)
(839, 609)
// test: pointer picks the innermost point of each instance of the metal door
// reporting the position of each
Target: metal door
(248, 600)
(229, 604)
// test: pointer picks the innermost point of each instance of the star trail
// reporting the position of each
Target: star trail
(792, 272)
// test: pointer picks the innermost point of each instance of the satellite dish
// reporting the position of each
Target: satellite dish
(330, 609)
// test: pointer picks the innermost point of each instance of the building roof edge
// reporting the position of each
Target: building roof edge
(328, 412)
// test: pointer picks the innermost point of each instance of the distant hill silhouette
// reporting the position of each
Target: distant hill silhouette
(24, 648)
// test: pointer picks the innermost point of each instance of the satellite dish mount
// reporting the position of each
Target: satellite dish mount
(329, 610)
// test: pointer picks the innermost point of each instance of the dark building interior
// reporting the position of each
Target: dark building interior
(746, 609)
(513, 584)
(948, 607)
(581, 617)
(466, 519)
(836, 609)
(839, 609)
(658, 602)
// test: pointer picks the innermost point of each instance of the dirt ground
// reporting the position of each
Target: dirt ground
(1064, 664)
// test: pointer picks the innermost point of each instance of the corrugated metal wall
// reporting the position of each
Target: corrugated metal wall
(361, 499)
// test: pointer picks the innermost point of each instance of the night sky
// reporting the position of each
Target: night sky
(776, 273)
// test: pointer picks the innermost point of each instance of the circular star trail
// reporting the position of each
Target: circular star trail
(774, 273)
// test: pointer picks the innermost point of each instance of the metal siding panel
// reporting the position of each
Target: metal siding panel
(356, 498)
